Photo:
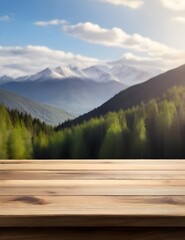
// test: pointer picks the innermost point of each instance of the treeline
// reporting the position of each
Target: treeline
(152, 130)
(17, 134)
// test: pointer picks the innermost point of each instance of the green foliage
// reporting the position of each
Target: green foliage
(94, 132)
(112, 145)
(78, 144)
(150, 130)
(40, 146)
(19, 133)
(16, 145)
(139, 140)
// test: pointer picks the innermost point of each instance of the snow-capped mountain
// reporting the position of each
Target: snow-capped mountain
(43, 75)
(100, 73)
(46, 74)
(76, 90)
(57, 73)
(49, 74)
(70, 71)
(121, 73)
(154, 88)
(107, 72)
(130, 75)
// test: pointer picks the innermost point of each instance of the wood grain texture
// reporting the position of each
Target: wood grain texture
(97, 165)
(92, 205)
(92, 193)
(92, 175)
(92, 187)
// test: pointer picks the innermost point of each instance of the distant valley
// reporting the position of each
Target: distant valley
(74, 90)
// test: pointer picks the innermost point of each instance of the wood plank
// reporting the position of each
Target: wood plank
(94, 191)
(98, 167)
(92, 233)
(92, 211)
(133, 205)
(89, 175)
(93, 161)
(91, 183)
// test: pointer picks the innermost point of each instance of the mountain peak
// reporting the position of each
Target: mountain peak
(46, 74)
(5, 79)
(102, 73)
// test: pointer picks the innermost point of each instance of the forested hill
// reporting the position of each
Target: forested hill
(133, 96)
(152, 130)
(19, 133)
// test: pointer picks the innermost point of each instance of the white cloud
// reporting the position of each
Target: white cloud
(148, 63)
(154, 54)
(116, 37)
(154, 65)
(95, 34)
(53, 22)
(175, 5)
(5, 18)
(179, 19)
(134, 4)
(18, 61)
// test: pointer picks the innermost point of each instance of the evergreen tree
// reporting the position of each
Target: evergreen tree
(16, 146)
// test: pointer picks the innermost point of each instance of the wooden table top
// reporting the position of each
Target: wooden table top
(92, 193)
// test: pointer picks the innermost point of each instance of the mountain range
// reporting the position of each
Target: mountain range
(113, 71)
(133, 96)
(73, 89)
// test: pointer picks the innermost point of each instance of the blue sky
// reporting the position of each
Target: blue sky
(142, 32)
(21, 31)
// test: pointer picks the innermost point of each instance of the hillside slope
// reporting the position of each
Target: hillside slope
(74, 95)
(134, 95)
(48, 114)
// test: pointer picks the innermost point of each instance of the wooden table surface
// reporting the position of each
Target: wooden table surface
(92, 193)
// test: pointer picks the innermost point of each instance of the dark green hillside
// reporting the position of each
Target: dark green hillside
(133, 96)
(152, 130)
